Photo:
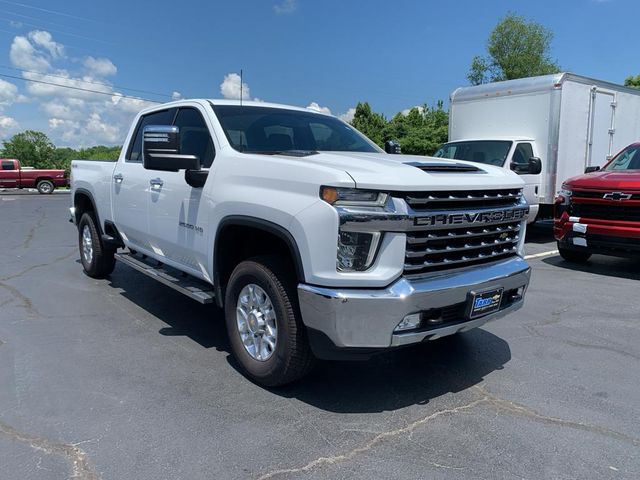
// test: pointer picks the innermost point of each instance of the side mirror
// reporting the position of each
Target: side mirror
(161, 150)
(591, 169)
(392, 147)
(535, 165)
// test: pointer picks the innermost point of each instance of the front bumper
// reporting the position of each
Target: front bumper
(607, 237)
(366, 318)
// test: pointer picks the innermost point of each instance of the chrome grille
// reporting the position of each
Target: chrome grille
(456, 246)
(457, 200)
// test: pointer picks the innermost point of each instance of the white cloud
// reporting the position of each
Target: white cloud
(230, 87)
(15, 24)
(176, 95)
(286, 6)
(43, 39)
(101, 67)
(348, 115)
(24, 55)
(8, 126)
(406, 111)
(318, 108)
(9, 94)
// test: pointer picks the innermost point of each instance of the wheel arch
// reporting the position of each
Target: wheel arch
(83, 202)
(278, 238)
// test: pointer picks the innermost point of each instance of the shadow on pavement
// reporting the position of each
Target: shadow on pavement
(540, 232)
(601, 265)
(386, 382)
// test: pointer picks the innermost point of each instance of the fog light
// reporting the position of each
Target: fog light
(410, 322)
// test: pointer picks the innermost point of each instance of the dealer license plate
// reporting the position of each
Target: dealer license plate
(483, 303)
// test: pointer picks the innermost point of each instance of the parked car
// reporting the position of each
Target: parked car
(567, 121)
(599, 212)
(12, 175)
(314, 241)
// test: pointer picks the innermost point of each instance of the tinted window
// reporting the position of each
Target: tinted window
(489, 152)
(628, 159)
(194, 136)
(7, 166)
(271, 130)
(164, 117)
(521, 156)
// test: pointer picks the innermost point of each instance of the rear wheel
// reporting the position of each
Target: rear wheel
(263, 322)
(574, 256)
(97, 260)
(45, 187)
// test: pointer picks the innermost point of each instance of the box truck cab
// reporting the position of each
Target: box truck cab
(515, 153)
(568, 121)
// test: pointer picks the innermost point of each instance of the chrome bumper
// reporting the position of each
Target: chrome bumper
(359, 318)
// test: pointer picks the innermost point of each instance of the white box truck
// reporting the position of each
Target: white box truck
(568, 121)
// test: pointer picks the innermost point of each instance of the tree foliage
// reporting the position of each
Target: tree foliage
(633, 82)
(516, 48)
(34, 149)
(420, 131)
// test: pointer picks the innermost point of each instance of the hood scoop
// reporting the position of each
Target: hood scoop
(446, 167)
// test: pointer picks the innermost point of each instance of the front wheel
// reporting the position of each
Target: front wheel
(97, 260)
(573, 256)
(45, 187)
(265, 331)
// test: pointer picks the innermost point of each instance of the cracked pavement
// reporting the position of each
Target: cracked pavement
(124, 378)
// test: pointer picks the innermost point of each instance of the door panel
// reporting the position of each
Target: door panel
(600, 135)
(522, 153)
(177, 212)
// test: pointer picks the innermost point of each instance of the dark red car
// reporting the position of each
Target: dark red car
(13, 176)
(599, 212)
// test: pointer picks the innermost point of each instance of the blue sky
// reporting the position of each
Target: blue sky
(334, 53)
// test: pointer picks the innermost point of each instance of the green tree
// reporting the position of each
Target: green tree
(516, 48)
(370, 123)
(32, 148)
(633, 82)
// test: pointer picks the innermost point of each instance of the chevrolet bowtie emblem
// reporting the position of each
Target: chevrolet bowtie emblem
(619, 196)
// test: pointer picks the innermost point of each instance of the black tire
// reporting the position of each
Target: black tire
(101, 261)
(45, 187)
(574, 256)
(292, 357)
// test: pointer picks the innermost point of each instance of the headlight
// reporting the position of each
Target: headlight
(353, 197)
(564, 196)
(356, 250)
(565, 191)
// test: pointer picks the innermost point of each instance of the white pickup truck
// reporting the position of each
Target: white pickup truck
(315, 242)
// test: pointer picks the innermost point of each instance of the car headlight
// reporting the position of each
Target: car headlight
(353, 197)
(564, 196)
(356, 250)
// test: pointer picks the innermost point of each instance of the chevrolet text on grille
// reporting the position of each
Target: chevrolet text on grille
(473, 218)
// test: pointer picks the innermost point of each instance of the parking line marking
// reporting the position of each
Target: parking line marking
(543, 254)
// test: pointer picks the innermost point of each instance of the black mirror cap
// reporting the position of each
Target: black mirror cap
(594, 168)
(392, 147)
(535, 166)
(161, 150)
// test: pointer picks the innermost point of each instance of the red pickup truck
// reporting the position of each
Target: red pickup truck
(599, 212)
(12, 175)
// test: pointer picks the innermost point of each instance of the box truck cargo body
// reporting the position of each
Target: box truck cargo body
(568, 121)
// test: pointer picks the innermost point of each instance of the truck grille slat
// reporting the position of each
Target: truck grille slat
(614, 211)
(420, 201)
(444, 247)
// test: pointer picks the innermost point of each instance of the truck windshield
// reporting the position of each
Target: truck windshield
(628, 159)
(489, 152)
(274, 130)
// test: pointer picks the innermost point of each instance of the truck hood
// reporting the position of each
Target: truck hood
(607, 180)
(381, 171)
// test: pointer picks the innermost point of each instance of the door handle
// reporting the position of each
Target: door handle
(156, 183)
(118, 178)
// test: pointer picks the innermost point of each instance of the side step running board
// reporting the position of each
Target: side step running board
(185, 284)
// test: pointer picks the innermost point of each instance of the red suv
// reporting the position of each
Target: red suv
(599, 212)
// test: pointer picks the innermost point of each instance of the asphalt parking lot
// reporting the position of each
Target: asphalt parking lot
(126, 379)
